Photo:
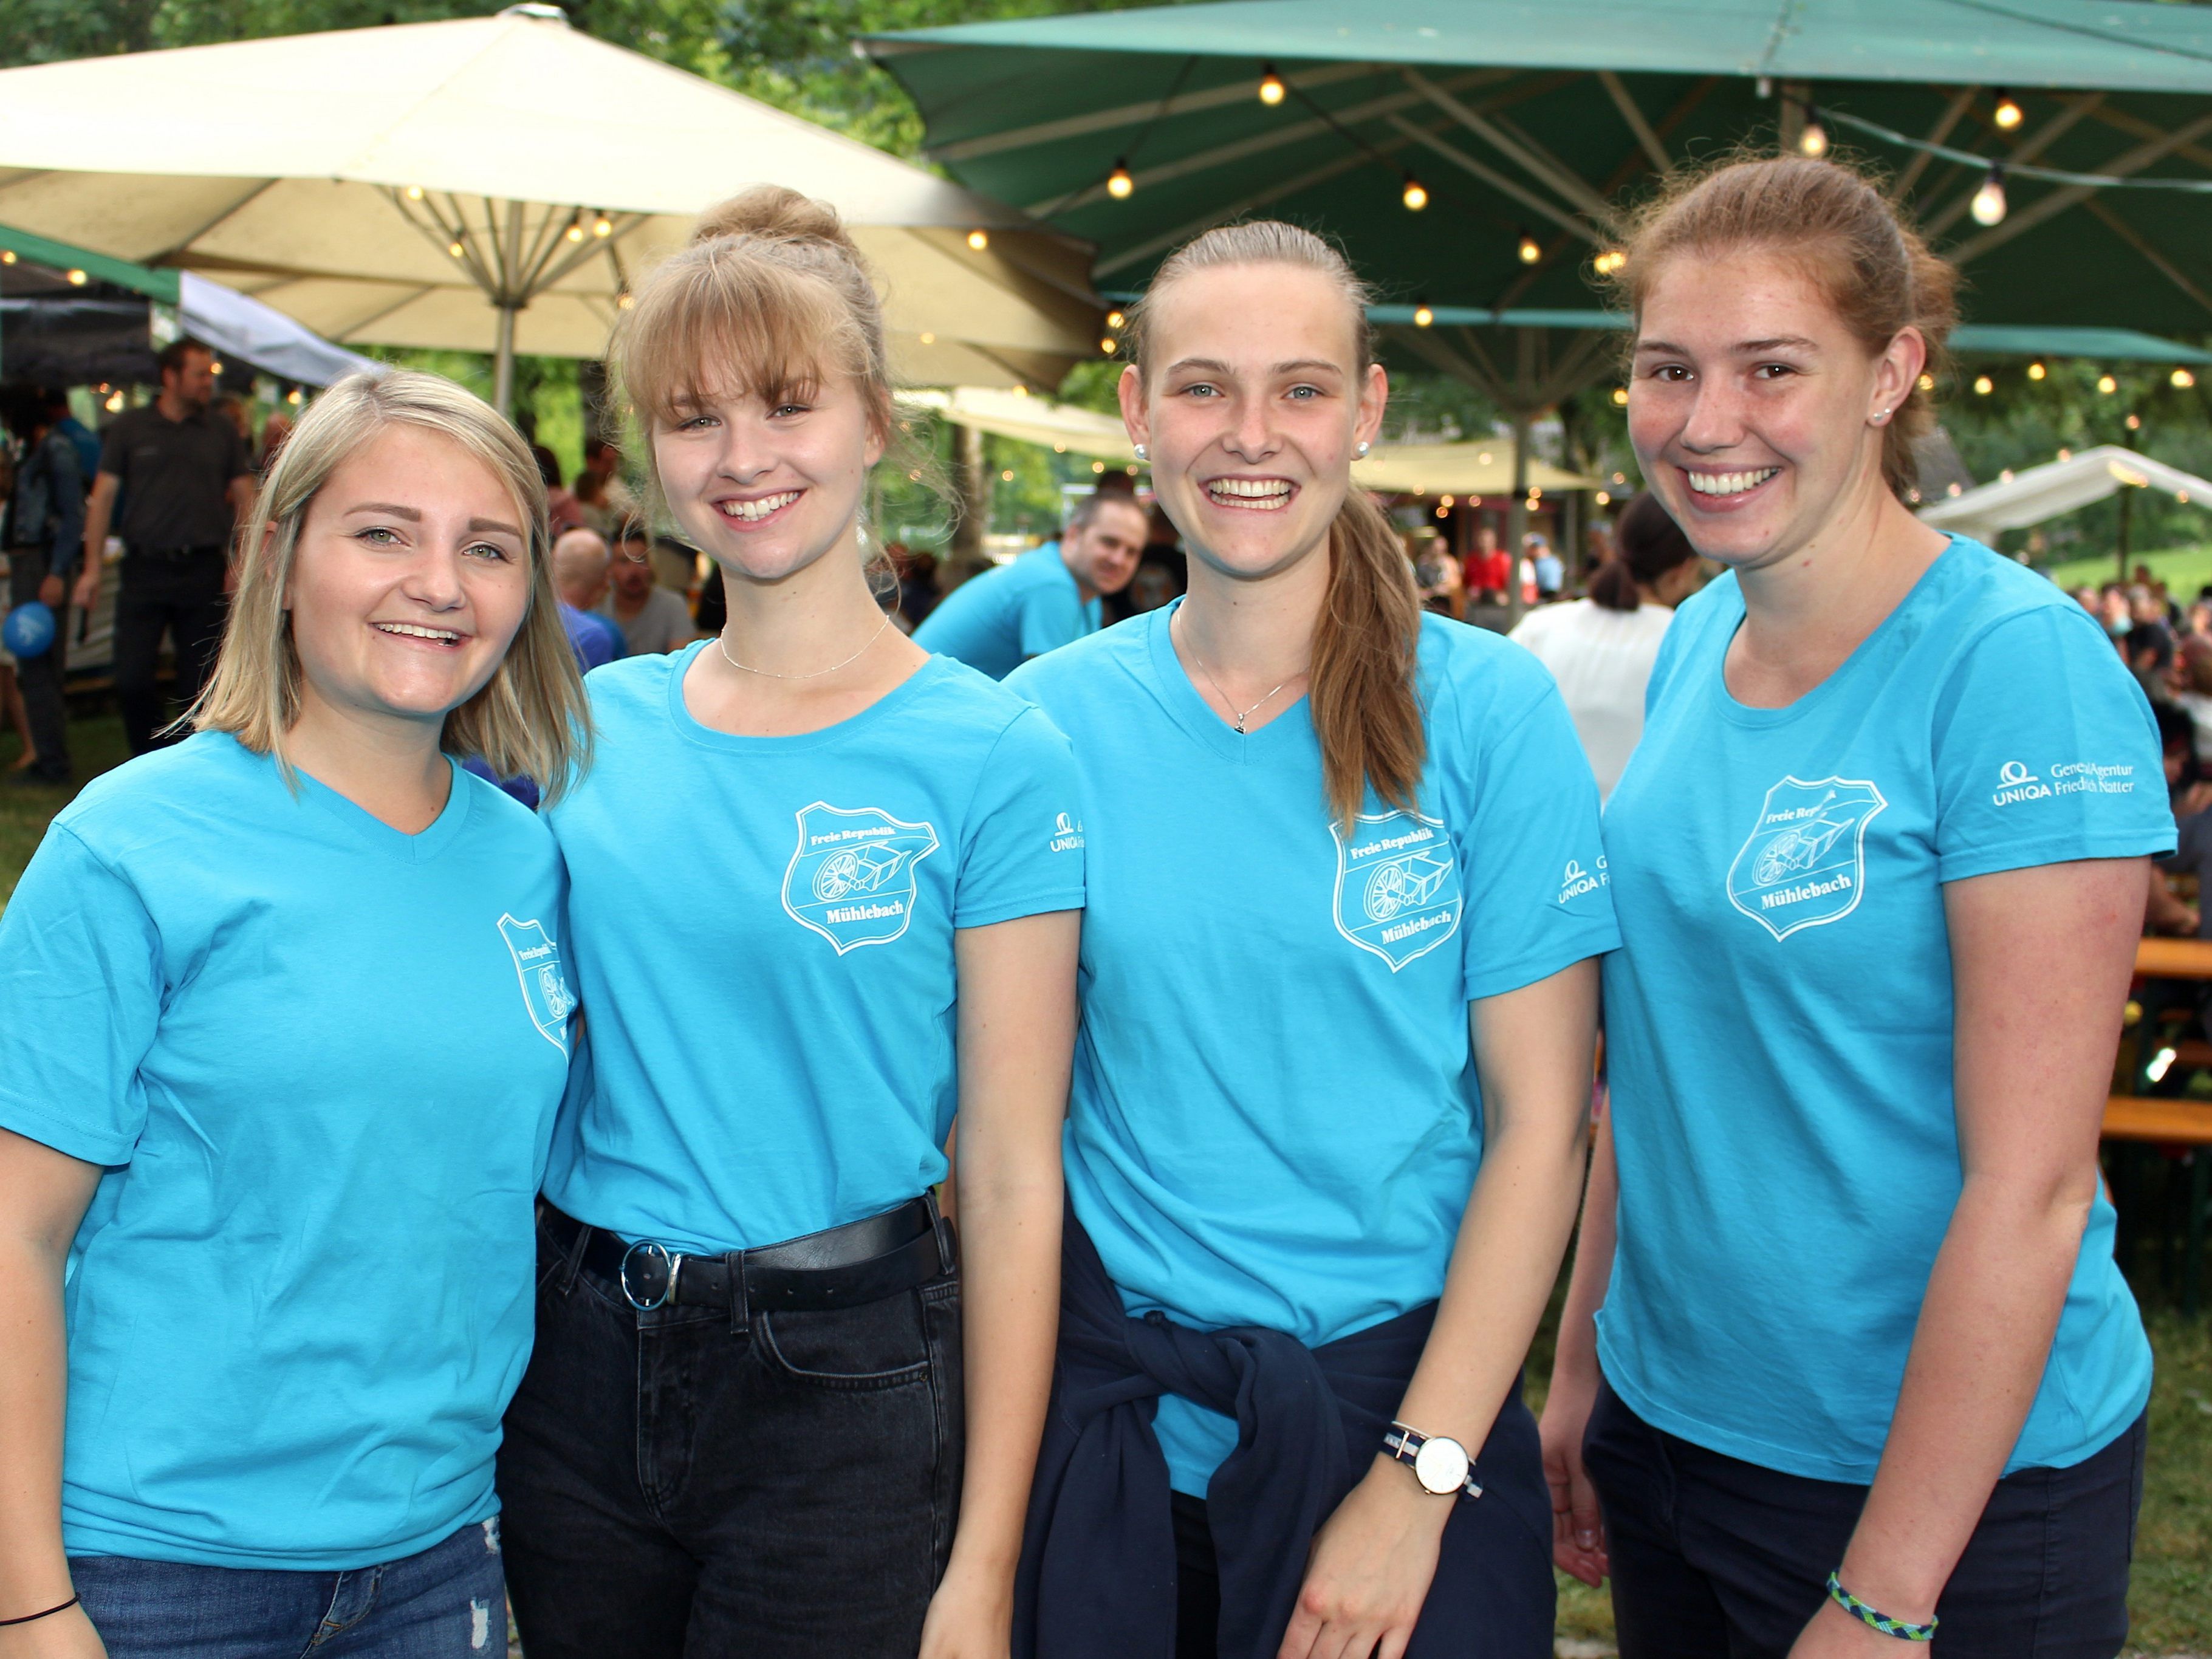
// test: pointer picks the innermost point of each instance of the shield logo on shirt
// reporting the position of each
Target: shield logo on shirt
(1397, 885)
(1805, 861)
(851, 877)
(546, 990)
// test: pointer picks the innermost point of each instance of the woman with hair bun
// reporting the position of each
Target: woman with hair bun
(824, 896)
(1601, 649)
(1863, 1365)
(1327, 1131)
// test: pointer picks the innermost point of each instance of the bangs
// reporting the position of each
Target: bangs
(709, 327)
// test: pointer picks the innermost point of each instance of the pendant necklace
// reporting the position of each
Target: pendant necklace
(1237, 719)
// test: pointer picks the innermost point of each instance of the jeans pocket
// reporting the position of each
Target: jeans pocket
(878, 1345)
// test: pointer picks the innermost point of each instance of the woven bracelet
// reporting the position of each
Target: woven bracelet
(33, 1618)
(1873, 1620)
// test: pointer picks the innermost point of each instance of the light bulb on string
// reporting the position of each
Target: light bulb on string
(455, 249)
(1608, 262)
(1983, 386)
(1119, 184)
(1115, 319)
(575, 231)
(1530, 249)
(1415, 196)
(1109, 345)
(2009, 111)
(1988, 204)
(979, 239)
(603, 225)
(2036, 371)
(1813, 138)
(2182, 379)
(2107, 385)
(1423, 316)
(1620, 397)
(1271, 87)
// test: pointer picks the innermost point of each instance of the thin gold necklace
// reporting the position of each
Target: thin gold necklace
(1237, 719)
(723, 646)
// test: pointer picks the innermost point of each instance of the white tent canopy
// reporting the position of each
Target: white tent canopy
(496, 184)
(2044, 492)
(239, 326)
(1477, 468)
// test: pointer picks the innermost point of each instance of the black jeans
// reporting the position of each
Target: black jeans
(673, 1486)
(184, 597)
(40, 677)
(1714, 1557)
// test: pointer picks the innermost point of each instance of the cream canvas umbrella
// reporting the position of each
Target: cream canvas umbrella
(495, 185)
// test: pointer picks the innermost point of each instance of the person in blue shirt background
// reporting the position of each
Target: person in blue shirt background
(284, 1023)
(1327, 1125)
(580, 559)
(1864, 1363)
(758, 1418)
(998, 620)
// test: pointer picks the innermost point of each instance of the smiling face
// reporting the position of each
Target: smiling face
(1102, 555)
(1251, 404)
(1755, 413)
(767, 485)
(409, 580)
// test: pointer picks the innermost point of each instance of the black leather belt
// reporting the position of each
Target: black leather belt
(845, 1266)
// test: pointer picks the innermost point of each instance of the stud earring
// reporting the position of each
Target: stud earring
(1139, 448)
(1362, 450)
(1881, 415)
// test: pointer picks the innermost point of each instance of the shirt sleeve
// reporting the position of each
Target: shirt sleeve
(1538, 894)
(1022, 840)
(1051, 618)
(80, 998)
(2045, 751)
(114, 447)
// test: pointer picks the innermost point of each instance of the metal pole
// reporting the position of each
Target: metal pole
(2127, 501)
(1516, 520)
(502, 363)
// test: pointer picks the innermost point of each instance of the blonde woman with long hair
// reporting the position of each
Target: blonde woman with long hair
(284, 1024)
(825, 896)
(1326, 1126)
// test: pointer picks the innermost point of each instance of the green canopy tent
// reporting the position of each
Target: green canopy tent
(1522, 127)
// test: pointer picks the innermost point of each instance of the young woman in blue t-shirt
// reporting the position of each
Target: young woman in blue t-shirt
(283, 1027)
(1329, 1098)
(1864, 1363)
(825, 892)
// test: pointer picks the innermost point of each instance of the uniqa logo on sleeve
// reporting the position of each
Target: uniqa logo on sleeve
(1804, 863)
(545, 991)
(851, 877)
(1397, 885)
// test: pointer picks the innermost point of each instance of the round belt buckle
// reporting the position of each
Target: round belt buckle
(667, 1266)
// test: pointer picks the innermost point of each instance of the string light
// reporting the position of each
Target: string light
(979, 239)
(2010, 113)
(414, 192)
(1530, 250)
(455, 249)
(1445, 500)
(1098, 467)
(1988, 203)
(1271, 87)
(114, 403)
(1115, 319)
(1415, 196)
(76, 279)
(293, 397)
(1927, 383)
(2065, 454)
(1610, 260)
(1620, 397)
(624, 302)
(1813, 138)
(575, 231)
(1983, 386)
(2036, 371)
(928, 339)
(603, 225)
(2107, 385)
(1119, 184)
(1423, 316)
(1109, 345)
(2134, 422)
(2182, 378)
(1006, 475)
(7, 256)
(1603, 499)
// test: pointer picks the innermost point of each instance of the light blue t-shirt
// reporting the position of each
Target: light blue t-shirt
(996, 621)
(320, 1059)
(1779, 1020)
(1276, 1120)
(773, 1012)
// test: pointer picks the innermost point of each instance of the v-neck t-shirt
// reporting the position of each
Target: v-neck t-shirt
(1779, 1019)
(772, 1018)
(319, 1060)
(1276, 1119)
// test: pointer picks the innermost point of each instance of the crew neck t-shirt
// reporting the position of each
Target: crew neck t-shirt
(996, 621)
(1276, 1119)
(1779, 1020)
(595, 640)
(175, 476)
(772, 1020)
(662, 623)
(1602, 659)
(319, 1060)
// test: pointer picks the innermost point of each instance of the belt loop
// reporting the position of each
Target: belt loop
(741, 1296)
(948, 1241)
(574, 1265)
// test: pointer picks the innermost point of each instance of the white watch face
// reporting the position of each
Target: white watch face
(1440, 1465)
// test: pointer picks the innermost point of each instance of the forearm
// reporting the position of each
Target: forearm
(1576, 1355)
(1978, 1355)
(33, 1383)
(97, 512)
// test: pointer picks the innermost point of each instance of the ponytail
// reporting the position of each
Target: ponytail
(1613, 586)
(1361, 692)
(1647, 544)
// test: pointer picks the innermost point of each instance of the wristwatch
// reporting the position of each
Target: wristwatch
(1440, 1463)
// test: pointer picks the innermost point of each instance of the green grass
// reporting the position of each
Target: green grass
(2171, 1595)
(2183, 569)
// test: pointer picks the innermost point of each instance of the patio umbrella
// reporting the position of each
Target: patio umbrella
(2044, 492)
(497, 186)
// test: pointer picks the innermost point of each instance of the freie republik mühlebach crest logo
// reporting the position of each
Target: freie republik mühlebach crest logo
(1804, 863)
(1397, 885)
(851, 876)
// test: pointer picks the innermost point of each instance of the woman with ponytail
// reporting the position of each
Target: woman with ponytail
(823, 896)
(1601, 649)
(1327, 1118)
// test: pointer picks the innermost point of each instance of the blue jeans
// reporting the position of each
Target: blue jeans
(448, 1602)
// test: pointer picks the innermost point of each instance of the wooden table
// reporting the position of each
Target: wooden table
(2170, 1121)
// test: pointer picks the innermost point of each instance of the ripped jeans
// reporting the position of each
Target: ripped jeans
(447, 1603)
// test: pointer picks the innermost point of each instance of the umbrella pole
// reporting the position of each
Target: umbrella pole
(1516, 519)
(502, 364)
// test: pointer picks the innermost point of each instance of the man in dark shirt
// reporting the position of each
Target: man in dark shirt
(185, 479)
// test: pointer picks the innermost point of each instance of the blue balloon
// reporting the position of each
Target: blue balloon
(29, 630)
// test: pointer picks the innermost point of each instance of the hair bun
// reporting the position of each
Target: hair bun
(776, 213)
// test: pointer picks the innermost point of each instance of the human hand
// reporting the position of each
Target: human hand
(2198, 797)
(1369, 1570)
(50, 593)
(65, 1635)
(88, 590)
(971, 1616)
(1834, 1634)
(1577, 1528)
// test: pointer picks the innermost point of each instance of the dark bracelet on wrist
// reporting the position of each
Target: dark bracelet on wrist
(33, 1618)
(1904, 1629)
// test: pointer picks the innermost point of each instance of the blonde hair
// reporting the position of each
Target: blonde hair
(1831, 220)
(1366, 642)
(529, 718)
